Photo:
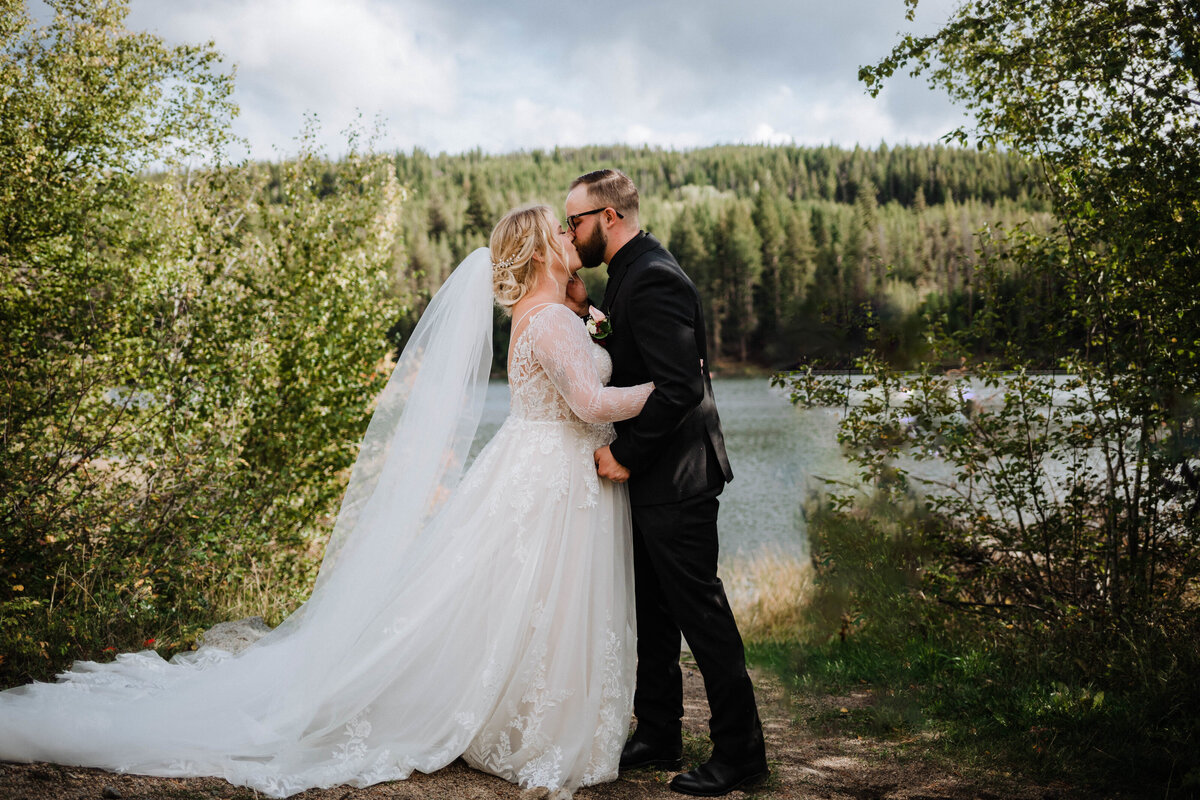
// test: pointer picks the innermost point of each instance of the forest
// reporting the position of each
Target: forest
(802, 254)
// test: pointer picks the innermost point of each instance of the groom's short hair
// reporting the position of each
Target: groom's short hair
(610, 188)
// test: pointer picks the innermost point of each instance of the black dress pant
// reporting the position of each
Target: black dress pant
(675, 577)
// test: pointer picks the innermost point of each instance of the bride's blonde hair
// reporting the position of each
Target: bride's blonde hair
(517, 237)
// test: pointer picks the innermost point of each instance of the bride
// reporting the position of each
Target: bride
(489, 617)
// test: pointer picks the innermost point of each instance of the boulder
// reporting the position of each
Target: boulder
(236, 635)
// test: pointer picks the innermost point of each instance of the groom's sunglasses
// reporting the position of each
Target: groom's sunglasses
(573, 220)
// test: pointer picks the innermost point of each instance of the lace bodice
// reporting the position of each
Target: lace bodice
(557, 373)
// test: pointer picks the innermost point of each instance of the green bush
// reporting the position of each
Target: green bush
(190, 354)
(1103, 707)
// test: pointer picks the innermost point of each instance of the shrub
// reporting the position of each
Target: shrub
(190, 356)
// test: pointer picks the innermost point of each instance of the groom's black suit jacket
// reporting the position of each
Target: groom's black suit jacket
(674, 448)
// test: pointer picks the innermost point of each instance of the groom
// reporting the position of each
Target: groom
(673, 456)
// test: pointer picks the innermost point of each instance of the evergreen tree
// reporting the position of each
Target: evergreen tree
(768, 297)
(739, 256)
(480, 217)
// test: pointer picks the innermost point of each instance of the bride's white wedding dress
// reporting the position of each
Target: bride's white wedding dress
(489, 618)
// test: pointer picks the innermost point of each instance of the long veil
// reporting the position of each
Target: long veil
(415, 447)
(233, 715)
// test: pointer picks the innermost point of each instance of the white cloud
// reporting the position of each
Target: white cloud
(334, 59)
(454, 75)
(765, 134)
(678, 136)
(539, 126)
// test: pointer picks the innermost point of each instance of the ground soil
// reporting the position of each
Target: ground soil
(809, 758)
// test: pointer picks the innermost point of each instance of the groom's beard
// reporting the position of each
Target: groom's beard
(591, 250)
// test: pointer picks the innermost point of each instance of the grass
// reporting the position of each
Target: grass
(1021, 704)
(269, 590)
(768, 593)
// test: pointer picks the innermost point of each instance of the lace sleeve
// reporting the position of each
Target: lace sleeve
(560, 344)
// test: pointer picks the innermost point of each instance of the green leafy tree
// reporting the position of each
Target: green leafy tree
(1069, 536)
(85, 109)
(1105, 97)
(190, 355)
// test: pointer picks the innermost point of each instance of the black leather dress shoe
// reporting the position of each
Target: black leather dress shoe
(637, 754)
(715, 778)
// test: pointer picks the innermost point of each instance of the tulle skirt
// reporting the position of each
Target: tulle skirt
(502, 632)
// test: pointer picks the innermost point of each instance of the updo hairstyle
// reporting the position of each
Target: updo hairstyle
(517, 237)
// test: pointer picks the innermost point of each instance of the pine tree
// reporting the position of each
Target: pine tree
(480, 219)
(768, 299)
(739, 254)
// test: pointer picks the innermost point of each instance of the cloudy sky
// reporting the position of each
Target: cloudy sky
(452, 75)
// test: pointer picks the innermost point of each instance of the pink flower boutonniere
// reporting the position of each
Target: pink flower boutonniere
(598, 325)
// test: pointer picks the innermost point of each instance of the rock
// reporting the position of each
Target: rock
(109, 793)
(235, 636)
(542, 793)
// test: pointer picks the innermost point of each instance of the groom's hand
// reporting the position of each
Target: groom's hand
(577, 296)
(609, 467)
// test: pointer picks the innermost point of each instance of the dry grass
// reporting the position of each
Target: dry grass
(768, 592)
(265, 590)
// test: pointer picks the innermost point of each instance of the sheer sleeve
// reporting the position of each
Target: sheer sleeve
(562, 346)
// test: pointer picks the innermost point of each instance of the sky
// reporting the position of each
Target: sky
(455, 75)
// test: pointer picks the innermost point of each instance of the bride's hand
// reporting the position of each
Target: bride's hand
(577, 296)
(608, 467)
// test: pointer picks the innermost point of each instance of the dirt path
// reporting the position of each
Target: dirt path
(808, 760)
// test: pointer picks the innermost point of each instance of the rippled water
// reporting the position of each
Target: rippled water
(778, 452)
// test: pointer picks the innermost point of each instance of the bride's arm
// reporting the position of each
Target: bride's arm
(562, 346)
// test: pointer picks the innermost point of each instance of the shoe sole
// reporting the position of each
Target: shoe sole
(749, 780)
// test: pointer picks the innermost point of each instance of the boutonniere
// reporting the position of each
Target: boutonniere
(597, 324)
